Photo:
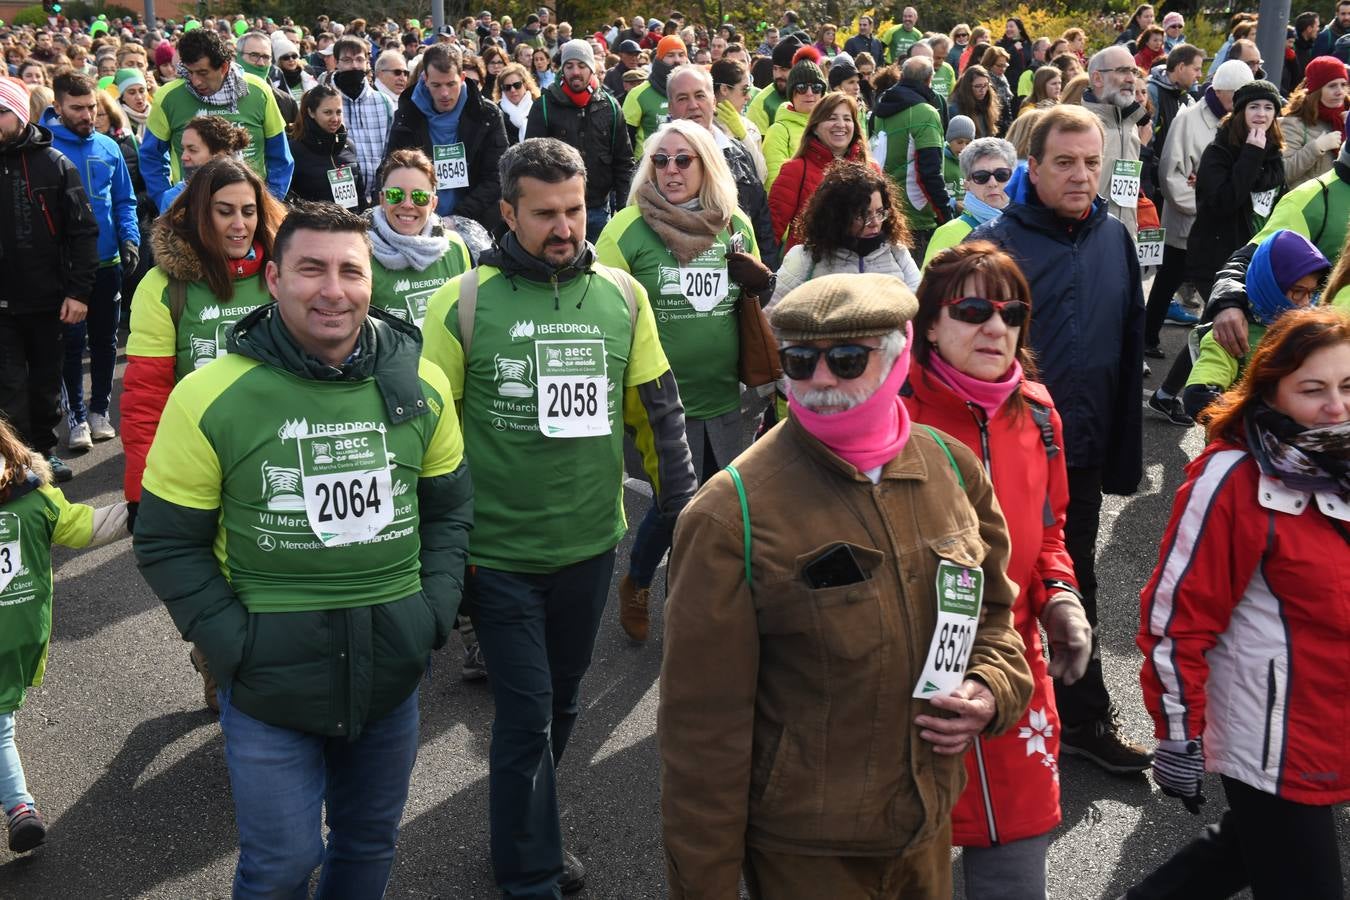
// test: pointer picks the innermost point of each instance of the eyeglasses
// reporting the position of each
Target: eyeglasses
(394, 196)
(844, 360)
(873, 217)
(1171, 27)
(513, 86)
(982, 176)
(814, 87)
(1256, 64)
(259, 57)
(978, 310)
(682, 161)
(397, 73)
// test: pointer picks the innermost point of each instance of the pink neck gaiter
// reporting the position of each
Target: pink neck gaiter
(872, 433)
(988, 395)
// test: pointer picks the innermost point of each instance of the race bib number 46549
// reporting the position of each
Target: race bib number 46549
(452, 167)
(573, 388)
(349, 495)
(960, 591)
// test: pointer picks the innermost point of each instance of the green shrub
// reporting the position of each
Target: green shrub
(31, 15)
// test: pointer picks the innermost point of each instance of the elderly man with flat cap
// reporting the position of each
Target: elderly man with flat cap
(839, 629)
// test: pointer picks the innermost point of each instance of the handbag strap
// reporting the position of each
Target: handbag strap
(745, 518)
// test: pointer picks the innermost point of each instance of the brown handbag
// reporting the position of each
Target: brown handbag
(759, 363)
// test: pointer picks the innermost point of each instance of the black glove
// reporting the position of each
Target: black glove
(132, 506)
(1179, 769)
(131, 257)
(751, 274)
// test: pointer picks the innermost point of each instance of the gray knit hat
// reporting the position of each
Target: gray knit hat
(961, 128)
(579, 50)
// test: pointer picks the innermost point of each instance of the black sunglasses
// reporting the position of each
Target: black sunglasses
(513, 86)
(982, 176)
(814, 87)
(682, 161)
(978, 310)
(289, 56)
(844, 360)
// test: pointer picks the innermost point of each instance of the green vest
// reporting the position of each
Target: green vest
(406, 292)
(703, 346)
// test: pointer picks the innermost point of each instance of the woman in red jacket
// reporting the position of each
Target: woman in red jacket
(1245, 625)
(833, 132)
(972, 378)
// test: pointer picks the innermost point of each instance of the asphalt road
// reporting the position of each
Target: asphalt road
(127, 764)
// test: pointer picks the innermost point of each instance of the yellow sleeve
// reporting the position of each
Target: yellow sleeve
(1213, 365)
(1288, 213)
(152, 329)
(158, 123)
(776, 152)
(182, 466)
(1342, 299)
(756, 112)
(647, 360)
(440, 337)
(446, 450)
(607, 245)
(632, 110)
(74, 521)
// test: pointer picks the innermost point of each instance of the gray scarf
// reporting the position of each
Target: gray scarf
(232, 90)
(400, 251)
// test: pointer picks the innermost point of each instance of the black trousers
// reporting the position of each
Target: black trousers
(1170, 277)
(1086, 700)
(1281, 849)
(31, 357)
(1182, 365)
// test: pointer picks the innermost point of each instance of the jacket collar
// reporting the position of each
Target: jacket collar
(1274, 495)
(1036, 215)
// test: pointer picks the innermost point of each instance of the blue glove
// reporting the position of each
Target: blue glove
(1179, 769)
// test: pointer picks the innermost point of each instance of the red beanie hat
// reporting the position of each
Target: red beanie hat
(809, 52)
(1322, 71)
(14, 97)
(668, 44)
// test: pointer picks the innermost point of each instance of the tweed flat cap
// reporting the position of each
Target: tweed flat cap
(844, 306)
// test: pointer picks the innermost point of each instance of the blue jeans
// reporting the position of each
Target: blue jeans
(282, 779)
(100, 329)
(597, 217)
(13, 787)
(537, 633)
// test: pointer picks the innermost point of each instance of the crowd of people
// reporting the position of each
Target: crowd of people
(404, 307)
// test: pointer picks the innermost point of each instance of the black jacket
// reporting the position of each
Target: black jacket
(315, 154)
(1087, 330)
(870, 45)
(48, 233)
(1224, 184)
(484, 138)
(753, 200)
(597, 130)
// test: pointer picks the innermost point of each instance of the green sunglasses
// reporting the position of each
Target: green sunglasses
(394, 196)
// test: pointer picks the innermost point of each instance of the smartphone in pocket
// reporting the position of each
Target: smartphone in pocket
(835, 567)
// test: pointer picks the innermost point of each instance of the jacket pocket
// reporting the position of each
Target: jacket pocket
(847, 616)
(766, 760)
(1272, 738)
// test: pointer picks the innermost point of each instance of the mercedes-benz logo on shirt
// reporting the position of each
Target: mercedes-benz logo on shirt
(267, 543)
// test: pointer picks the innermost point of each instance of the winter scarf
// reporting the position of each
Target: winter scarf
(517, 113)
(987, 395)
(232, 90)
(1333, 118)
(1304, 459)
(401, 251)
(1214, 103)
(686, 229)
(137, 119)
(980, 211)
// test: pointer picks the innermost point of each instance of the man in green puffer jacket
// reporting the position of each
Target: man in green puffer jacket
(305, 518)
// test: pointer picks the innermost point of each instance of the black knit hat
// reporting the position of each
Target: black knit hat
(782, 54)
(1257, 90)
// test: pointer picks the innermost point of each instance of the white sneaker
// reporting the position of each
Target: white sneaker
(101, 428)
(79, 436)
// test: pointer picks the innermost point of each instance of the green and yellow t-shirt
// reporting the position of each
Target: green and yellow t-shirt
(644, 108)
(694, 306)
(317, 492)
(543, 401)
(257, 112)
(201, 333)
(406, 292)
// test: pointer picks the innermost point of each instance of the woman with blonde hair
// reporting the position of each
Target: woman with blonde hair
(686, 242)
(515, 92)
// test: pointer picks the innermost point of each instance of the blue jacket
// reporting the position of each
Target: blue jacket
(107, 182)
(1087, 330)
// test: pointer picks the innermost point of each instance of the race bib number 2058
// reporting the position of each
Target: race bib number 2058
(573, 388)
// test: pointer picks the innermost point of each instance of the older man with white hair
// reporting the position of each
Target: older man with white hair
(1111, 100)
(808, 639)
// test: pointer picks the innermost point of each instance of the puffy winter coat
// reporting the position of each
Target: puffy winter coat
(782, 140)
(48, 234)
(886, 259)
(597, 130)
(1012, 787)
(1087, 330)
(1302, 159)
(797, 182)
(316, 154)
(1227, 187)
(1244, 626)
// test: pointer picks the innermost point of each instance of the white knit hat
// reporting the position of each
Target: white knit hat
(1232, 75)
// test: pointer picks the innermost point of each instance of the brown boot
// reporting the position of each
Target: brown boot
(633, 609)
(198, 659)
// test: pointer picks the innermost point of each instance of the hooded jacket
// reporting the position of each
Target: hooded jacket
(907, 115)
(48, 234)
(484, 138)
(598, 130)
(1088, 331)
(317, 153)
(645, 107)
(107, 184)
(354, 643)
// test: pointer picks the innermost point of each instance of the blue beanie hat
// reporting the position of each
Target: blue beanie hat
(1279, 261)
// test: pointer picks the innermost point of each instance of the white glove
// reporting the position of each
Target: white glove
(1070, 636)
(1328, 142)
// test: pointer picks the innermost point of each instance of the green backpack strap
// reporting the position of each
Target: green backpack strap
(960, 479)
(745, 519)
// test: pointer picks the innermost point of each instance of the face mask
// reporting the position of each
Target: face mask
(260, 71)
(350, 82)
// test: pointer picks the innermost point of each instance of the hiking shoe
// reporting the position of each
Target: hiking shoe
(1101, 742)
(633, 609)
(26, 828)
(101, 427)
(198, 660)
(1180, 315)
(61, 473)
(1153, 351)
(474, 667)
(574, 873)
(79, 436)
(1170, 408)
